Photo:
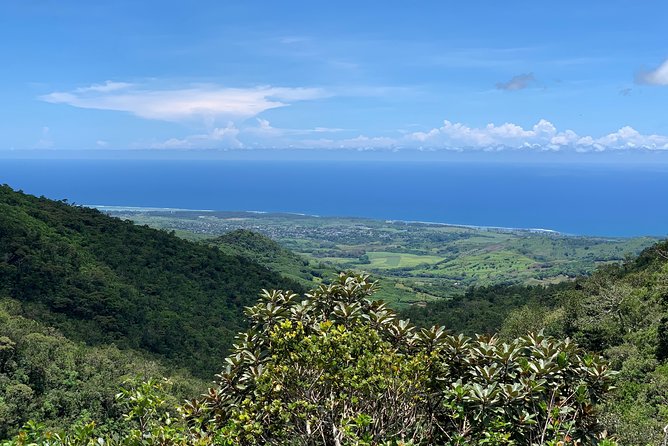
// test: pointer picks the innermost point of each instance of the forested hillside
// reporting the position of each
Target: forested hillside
(333, 367)
(267, 252)
(621, 311)
(482, 310)
(101, 280)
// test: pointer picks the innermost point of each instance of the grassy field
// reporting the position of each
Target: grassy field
(385, 260)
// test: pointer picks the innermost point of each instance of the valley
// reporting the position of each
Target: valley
(417, 262)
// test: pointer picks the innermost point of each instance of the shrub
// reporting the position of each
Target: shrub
(334, 367)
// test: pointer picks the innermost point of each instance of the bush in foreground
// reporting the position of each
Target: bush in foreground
(333, 367)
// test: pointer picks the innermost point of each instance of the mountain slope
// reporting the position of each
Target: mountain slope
(267, 252)
(622, 312)
(102, 280)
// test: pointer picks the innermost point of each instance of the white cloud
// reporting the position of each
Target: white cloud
(289, 40)
(507, 134)
(629, 138)
(327, 130)
(264, 124)
(360, 142)
(658, 76)
(208, 102)
(219, 137)
(265, 129)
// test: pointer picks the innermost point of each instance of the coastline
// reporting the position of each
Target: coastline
(103, 208)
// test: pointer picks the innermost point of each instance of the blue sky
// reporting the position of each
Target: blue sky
(476, 75)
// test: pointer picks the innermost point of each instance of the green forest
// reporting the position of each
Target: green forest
(121, 334)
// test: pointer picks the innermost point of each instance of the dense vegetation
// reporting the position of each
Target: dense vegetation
(482, 310)
(333, 367)
(265, 251)
(620, 312)
(102, 280)
(45, 376)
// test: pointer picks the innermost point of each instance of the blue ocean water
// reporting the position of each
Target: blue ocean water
(611, 200)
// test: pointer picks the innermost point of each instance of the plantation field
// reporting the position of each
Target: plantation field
(381, 259)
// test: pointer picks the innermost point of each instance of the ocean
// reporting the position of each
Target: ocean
(609, 200)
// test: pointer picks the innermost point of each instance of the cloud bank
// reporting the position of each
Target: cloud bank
(454, 136)
(219, 137)
(207, 102)
(543, 136)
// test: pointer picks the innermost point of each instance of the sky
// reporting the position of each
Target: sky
(480, 76)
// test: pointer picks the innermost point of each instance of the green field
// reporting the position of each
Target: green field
(388, 260)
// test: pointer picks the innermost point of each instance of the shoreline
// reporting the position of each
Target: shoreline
(391, 221)
(482, 228)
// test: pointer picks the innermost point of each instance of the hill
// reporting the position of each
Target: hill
(334, 367)
(482, 310)
(103, 280)
(267, 252)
